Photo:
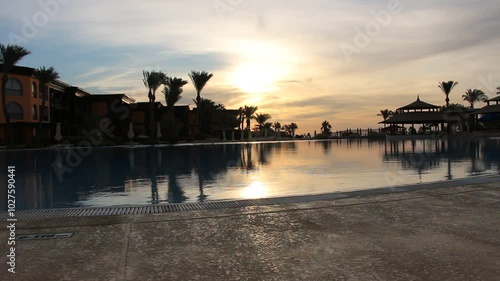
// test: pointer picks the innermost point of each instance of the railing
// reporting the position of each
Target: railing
(358, 132)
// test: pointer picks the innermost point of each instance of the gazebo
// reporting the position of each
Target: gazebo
(491, 112)
(417, 112)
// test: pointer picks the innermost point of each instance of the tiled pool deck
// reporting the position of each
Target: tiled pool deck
(441, 232)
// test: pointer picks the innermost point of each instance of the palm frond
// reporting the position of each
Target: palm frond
(46, 75)
(200, 79)
(10, 55)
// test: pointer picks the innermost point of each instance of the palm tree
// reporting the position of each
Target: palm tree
(207, 107)
(386, 113)
(10, 55)
(45, 76)
(199, 79)
(293, 127)
(249, 112)
(473, 96)
(241, 117)
(153, 80)
(276, 126)
(446, 87)
(326, 128)
(261, 119)
(172, 92)
(287, 130)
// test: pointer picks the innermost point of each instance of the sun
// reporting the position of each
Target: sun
(256, 77)
(261, 66)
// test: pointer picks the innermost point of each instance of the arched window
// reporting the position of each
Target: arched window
(13, 87)
(15, 111)
(34, 112)
(33, 90)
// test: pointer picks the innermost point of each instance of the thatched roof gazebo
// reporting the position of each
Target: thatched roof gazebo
(490, 114)
(417, 112)
(492, 106)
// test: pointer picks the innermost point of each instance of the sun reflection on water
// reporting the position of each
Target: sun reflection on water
(255, 190)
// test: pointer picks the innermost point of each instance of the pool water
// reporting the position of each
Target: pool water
(102, 177)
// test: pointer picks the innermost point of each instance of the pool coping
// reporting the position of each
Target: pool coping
(226, 204)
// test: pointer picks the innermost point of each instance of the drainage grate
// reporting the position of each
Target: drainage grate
(168, 208)
(45, 236)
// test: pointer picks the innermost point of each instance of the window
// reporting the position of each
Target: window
(33, 90)
(15, 111)
(34, 112)
(13, 87)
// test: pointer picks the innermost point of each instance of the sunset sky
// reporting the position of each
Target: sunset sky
(300, 61)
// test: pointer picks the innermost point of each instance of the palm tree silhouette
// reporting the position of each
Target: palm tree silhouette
(277, 127)
(249, 112)
(45, 76)
(385, 114)
(172, 92)
(326, 128)
(293, 127)
(241, 117)
(446, 87)
(153, 80)
(10, 55)
(199, 79)
(473, 96)
(261, 119)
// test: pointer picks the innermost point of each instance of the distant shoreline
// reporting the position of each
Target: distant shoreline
(482, 135)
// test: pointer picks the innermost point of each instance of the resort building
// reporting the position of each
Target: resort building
(23, 98)
(71, 111)
(70, 108)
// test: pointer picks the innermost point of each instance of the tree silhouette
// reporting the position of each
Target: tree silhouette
(261, 119)
(45, 76)
(385, 114)
(446, 87)
(199, 79)
(293, 127)
(172, 92)
(326, 128)
(249, 112)
(473, 96)
(153, 80)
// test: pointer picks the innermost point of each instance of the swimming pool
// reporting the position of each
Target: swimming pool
(197, 173)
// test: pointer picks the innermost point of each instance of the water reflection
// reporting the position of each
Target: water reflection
(131, 176)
